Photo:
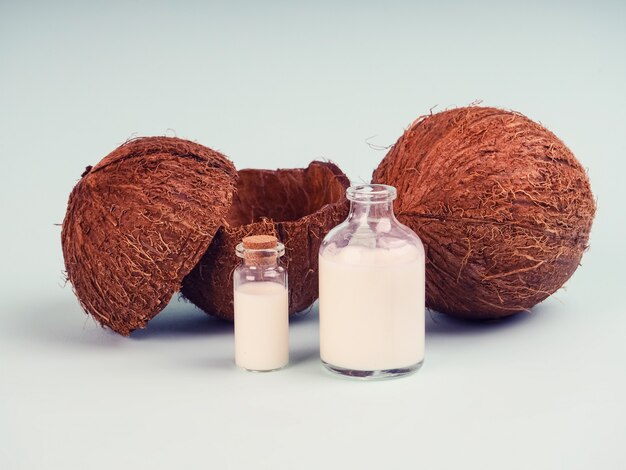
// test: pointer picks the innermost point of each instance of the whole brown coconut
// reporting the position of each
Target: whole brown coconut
(138, 222)
(502, 205)
(299, 206)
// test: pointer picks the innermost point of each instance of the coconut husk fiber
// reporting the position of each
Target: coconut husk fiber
(501, 204)
(298, 206)
(138, 222)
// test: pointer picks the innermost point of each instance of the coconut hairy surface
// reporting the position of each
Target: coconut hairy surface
(138, 222)
(501, 204)
(299, 206)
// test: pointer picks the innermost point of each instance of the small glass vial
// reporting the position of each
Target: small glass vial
(371, 290)
(261, 305)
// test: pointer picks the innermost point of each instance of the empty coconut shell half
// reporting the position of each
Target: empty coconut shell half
(138, 222)
(299, 206)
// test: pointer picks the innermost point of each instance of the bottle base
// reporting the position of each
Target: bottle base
(372, 374)
(262, 370)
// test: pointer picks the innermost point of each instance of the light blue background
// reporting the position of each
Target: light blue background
(278, 84)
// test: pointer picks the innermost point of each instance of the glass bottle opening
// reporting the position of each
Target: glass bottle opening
(371, 193)
(277, 251)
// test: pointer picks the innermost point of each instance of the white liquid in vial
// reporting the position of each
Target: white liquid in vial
(261, 326)
(372, 307)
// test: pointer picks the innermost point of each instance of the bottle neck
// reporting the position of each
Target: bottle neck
(264, 263)
(370, 211)
(371, 202)
(260, 250)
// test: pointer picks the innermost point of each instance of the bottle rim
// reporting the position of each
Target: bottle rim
(278, 251)
(371, 193)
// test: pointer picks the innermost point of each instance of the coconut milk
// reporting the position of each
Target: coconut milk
(372, 307)
(261, 326)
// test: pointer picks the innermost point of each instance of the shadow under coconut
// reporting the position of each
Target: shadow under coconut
(304, 336)
(302, 355)
(182, 319)
(442, 324)
(309, 314)
(60, 321)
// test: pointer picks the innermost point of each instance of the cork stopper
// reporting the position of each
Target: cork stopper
(259, 242)
(260, 250)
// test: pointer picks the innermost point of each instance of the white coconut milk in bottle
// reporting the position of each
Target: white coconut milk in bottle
(371, 290)
(261, 304)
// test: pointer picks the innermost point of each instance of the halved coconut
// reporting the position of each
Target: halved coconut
(299, 206)
(138, 222)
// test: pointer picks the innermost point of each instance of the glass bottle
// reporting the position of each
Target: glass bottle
(261, 305)
(371, 290)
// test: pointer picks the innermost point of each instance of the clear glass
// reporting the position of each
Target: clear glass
(372, 286)
(261, 310)
(251, 270)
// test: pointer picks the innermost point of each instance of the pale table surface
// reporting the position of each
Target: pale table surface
(278, 84)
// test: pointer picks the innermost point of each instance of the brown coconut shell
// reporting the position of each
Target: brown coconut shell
(501, 204)
(298, 206)
(138, 222)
